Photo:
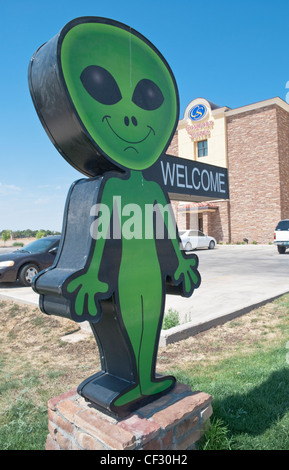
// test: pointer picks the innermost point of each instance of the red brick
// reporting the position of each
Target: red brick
(255, 172)
(76, 425)
(54, 401)
(63, 441)
(186, 426)
(169, 416)
(60, 422)
(142, 428)
(167, 440)
(87, 442)
(173, 147)
(150, 408)
(188, 440)
(51, 444)
(155, 444)
(68, 409)
(109, 433)
(75, 447)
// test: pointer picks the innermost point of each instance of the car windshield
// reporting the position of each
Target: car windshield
(283, 225)
(38, 245)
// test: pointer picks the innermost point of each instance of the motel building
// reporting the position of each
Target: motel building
(252, 144)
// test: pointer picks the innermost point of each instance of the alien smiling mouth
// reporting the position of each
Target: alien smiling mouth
(151, 130)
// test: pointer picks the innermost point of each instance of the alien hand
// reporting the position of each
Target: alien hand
(89, 286)
(187, 272)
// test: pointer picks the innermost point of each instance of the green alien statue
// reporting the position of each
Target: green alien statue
(123, 94)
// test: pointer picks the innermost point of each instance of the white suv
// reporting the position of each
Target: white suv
(281, 236)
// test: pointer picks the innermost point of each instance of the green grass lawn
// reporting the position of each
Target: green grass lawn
(242, 364)
(249, 383)
(250, 401)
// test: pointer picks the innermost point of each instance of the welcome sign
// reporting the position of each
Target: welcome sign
(190, 178)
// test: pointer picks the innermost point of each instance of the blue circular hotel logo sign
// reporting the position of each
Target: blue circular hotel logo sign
(198, 112)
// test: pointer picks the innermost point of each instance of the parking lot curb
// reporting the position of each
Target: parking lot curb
(186, 330)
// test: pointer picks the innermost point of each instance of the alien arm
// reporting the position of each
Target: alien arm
(186, 272)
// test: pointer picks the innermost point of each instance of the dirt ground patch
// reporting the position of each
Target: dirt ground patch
(11, 241)
(31, 341)
(261, 325)
(31, 344)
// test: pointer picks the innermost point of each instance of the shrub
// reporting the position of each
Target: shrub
(171, 319)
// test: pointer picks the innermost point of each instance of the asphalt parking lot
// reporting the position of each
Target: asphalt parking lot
(235, 279)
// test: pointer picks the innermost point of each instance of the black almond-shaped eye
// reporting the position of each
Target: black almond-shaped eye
(147, 95)
(100, 84)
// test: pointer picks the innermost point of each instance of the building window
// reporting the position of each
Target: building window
(202, 148)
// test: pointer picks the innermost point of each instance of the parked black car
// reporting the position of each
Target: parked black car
(25, 263)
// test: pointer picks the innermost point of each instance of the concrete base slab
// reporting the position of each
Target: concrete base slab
(76, 337)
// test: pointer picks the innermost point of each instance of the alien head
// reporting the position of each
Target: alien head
(105, 95)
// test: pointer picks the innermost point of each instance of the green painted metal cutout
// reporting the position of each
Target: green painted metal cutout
(109, 102)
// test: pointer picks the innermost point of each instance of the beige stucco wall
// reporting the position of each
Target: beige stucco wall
(211, 128)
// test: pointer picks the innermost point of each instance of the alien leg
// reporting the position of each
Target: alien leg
(131, 313)
(152, 319)
(142, 314)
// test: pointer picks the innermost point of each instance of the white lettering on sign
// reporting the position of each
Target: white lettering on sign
(168, 173)
(195, 170)
(201, 180)
(180, 175)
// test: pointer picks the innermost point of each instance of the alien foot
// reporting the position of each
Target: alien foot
(158, 386)
(141, 391)
(128, 397)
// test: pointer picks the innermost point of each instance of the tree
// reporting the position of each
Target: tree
(5, 235)
(40, 234)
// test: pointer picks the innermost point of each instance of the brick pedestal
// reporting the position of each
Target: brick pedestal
(176, 421)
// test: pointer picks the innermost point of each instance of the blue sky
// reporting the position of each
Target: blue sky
(232, 53)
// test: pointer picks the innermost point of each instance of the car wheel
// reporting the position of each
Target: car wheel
(27, 273)
(211, 245)
(281, 249)
(188, 247)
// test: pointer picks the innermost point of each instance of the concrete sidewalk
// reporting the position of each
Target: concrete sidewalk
(14, 291)
(235, 279)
